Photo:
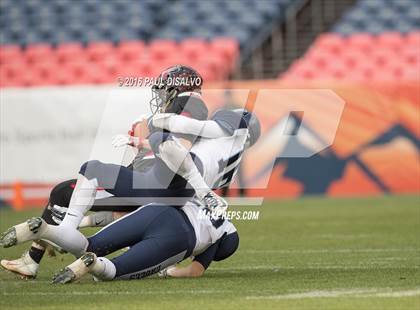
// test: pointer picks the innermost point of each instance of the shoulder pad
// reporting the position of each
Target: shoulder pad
(191, 106)
(229, 121)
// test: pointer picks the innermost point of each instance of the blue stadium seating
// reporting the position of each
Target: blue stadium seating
(239, 19)
(129, 37)
(377, 16)
(32, 21)
(26, 22)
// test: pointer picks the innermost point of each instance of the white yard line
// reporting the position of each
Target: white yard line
(314, 266)
(336, 293)
(311, 251)
(116, 292)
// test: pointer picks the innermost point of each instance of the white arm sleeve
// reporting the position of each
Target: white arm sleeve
(181, 124)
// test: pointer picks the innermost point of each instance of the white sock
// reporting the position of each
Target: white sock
(68, 238)
(103, 269)
(81, 201)
(179, 160)
(97, 219)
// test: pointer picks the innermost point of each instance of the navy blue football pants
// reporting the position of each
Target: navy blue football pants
(156, 184)
(158, 236)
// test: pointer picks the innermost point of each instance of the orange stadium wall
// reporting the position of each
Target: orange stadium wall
(375, 150)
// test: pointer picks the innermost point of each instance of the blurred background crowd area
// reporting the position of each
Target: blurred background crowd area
(366, 51)
(59, 42)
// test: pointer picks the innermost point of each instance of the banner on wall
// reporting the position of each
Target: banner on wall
(47, 133)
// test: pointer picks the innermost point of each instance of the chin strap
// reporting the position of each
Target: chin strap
(190, 94)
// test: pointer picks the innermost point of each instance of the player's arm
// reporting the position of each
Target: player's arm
(193, 270)
(198, 266)
(184, 125)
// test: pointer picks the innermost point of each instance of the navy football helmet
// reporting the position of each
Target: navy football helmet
(253, 125)
(172, 82)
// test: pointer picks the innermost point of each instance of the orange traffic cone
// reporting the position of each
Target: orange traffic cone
(17, 202)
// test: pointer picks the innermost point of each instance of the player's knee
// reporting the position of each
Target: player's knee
(98, 245)
(228, 245)
(60, 191)
(156, 138)
(89, 168)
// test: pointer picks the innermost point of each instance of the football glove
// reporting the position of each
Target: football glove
(118, 141)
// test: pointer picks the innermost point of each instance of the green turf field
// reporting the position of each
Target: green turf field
(311, 253)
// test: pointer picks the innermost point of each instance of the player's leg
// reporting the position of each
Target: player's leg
(27, 266)
(66, 234)
(158, 236)
(92, 175)
(37, 228)
(175, 154)
(118, 180)
(103, 214)
(142, 260)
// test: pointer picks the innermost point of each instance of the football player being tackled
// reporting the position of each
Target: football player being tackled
(164, 145)
(160, 236)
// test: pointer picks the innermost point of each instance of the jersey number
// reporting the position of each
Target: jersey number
(233, 162)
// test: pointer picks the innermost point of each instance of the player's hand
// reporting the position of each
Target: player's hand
(140, 130)
(143, 128)
(165, 273)
(120, 141)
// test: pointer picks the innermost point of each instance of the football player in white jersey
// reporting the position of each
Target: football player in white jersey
(225, 136)
(220, 144)
(157, 182)
(159, 236)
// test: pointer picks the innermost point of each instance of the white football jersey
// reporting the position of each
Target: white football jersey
(220, 157)
(207, 230)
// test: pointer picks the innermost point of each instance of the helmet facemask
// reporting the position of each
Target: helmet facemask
(165, 90)
(161, 98)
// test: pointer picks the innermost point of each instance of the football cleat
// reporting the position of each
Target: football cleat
(25, 266)
(64, 276)
(216, 204)
(75, 270)
(23, 232)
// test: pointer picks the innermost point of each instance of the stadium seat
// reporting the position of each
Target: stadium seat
(212, 36)
(390, 40)
(85, 32)
(63, 76)
(361, 57)
(11, 74)
(378, 16)
(68, 52)
(39, 53)
(102, 62)
(413, 38)
(330, 42)
(130, 50)
(361, 42)
(10, 54)
(194, 48)
(226, 47)
(160, 49)
(96, 51)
